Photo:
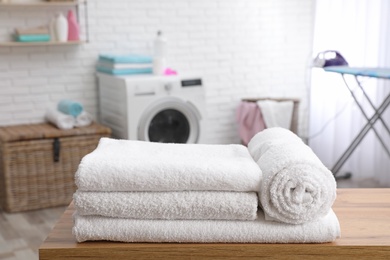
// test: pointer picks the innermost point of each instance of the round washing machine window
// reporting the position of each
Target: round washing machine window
(170, 120)
(169, 126)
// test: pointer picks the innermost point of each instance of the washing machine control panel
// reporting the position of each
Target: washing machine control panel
(191, 82)
(186, 84)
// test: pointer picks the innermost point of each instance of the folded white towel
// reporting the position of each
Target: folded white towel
(325, 229)
(296, 186)
(59, 119)
(276, 113)
(168, 205)
(125, 165)
(84, 119)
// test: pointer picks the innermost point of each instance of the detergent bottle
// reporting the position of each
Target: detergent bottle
(73, 27)
(159, 56)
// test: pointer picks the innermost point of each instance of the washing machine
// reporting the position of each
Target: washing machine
(167, 109)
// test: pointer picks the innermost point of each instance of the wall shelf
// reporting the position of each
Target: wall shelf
(18, 44)
(43, 4)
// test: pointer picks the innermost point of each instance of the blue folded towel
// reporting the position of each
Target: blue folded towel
(70, 107)
(126, 58)
(125, 71)
(33, 38)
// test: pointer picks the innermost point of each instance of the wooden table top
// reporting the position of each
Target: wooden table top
(364, 216)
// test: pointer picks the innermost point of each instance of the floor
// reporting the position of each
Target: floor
(22, 233)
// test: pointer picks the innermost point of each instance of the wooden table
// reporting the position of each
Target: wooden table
(364, 216)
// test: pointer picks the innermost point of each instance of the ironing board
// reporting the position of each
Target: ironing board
(383, 73)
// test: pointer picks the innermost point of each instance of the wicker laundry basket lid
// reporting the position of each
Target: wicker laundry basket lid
(45, 130)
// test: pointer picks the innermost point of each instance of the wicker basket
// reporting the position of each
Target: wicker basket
(294, 119)
(38, 162)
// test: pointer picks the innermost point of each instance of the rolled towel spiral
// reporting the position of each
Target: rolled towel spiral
(70, 107)
(296, 187)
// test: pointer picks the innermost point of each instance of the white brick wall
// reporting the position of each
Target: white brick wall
(241, 48)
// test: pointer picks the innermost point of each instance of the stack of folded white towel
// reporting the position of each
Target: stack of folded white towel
(134, 191)
(68, 114)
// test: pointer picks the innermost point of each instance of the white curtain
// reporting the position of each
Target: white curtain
(360, 31)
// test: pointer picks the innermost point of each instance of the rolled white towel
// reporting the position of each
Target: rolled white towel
(59, 119)
(84, 119)
(260, 143)
(296, 187)
(127, 165)
(168, 205)
(325, 229)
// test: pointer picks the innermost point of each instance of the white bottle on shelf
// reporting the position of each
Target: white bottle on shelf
(160, 52)
(61, 28)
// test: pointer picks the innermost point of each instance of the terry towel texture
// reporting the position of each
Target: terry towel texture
(134, 191)
(296, 187)
(168, 205)
(125, 165)
(325, 229)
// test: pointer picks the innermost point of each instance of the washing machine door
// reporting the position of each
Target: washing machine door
(170, 120)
